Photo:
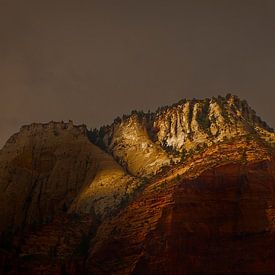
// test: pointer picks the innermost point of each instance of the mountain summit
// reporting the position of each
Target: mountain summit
(145, 142)
(188, 188)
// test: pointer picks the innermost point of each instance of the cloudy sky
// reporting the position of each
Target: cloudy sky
(91, 61)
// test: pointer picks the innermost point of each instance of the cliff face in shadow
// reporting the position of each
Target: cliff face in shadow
(42, 169)
(220, 221)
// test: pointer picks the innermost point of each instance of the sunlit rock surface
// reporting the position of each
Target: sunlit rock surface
(143, 143)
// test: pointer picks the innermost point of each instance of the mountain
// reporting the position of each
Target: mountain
(188, 188)
(46, 168)
(143, 143)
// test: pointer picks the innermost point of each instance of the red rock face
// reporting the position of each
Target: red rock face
(222, 221)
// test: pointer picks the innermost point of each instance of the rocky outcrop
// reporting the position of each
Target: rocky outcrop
(130, 144)
(191, 124)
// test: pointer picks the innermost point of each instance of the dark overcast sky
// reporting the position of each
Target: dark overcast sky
(90, 61)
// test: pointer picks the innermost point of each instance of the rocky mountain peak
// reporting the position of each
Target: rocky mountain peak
(172, 132)
(44, 131)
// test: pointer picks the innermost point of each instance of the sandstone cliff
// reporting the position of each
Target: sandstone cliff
(189, 188)
(49, 168)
